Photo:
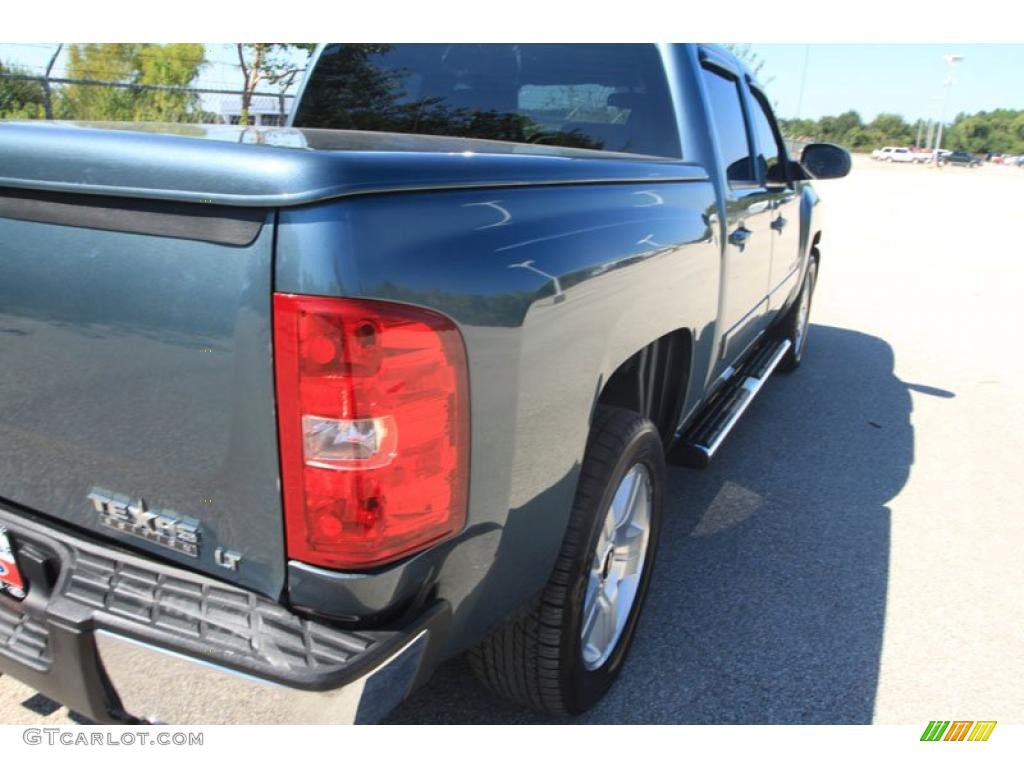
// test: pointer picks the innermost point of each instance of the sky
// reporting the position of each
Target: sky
(870, 78)
(904, 79)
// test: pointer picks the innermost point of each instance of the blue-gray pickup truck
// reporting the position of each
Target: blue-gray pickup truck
(290, 415)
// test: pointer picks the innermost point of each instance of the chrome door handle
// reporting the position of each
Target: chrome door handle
(739, 236)
(779, 224)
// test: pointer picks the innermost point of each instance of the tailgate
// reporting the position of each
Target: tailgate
(136, 379)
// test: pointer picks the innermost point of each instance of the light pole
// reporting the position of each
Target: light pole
(951, 59)
(803, 81)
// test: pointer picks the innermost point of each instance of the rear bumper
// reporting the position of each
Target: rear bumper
(118, 638)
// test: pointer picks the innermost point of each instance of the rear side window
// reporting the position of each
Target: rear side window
(605, 97)
(730, 126)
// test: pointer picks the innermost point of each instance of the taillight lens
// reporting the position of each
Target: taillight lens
(373, 417)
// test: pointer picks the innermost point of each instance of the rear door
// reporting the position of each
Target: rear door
(748, 211)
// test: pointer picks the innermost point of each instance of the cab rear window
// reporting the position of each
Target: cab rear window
(603, 97)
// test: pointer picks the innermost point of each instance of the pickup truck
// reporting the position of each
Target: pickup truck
(289, 416)
(964, 159)
(899, 155)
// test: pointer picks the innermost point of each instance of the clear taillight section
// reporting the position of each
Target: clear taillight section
(373, 417)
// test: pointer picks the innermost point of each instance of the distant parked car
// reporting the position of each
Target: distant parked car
(960, 158)
(894, 155)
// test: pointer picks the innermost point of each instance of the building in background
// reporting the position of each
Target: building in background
(263, 110)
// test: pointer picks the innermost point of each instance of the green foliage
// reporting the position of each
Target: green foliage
(175, 64)
(890, 125)
(171, 64)
(850, 131)
(109, 62)
(1001, 130)
(20, 99)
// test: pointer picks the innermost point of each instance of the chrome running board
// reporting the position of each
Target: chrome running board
(699, 443)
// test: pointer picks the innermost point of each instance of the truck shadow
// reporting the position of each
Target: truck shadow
(769, 595)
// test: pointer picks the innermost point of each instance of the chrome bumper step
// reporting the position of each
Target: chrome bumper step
(698, 444)
(118, 637)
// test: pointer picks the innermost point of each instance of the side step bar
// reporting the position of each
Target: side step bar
(700, 442)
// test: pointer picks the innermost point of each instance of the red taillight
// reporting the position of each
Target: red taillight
(373, 417)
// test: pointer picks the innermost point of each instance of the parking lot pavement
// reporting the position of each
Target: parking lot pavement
(853, 555)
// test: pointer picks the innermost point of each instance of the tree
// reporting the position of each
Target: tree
(893, 129)
(132, 65)
(839, 129)
(864, 138)
(798, 128)
(1017, 133)
(108, 62)
(745, 52)
(1001, 130)
(47, 90)
(274, 63)
(173, 64)
(20, 99)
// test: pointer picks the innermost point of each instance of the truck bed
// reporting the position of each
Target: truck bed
(135, 300)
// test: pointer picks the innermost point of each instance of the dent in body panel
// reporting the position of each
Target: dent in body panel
(142, 365)
(552, 288)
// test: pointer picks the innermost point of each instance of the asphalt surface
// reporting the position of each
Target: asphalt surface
(855, 553)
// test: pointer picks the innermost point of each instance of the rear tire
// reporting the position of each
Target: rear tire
(798, 321)
(551, 657)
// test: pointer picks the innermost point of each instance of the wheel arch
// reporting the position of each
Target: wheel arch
(653, 381)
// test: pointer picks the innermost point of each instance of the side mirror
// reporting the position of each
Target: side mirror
(826, 161)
